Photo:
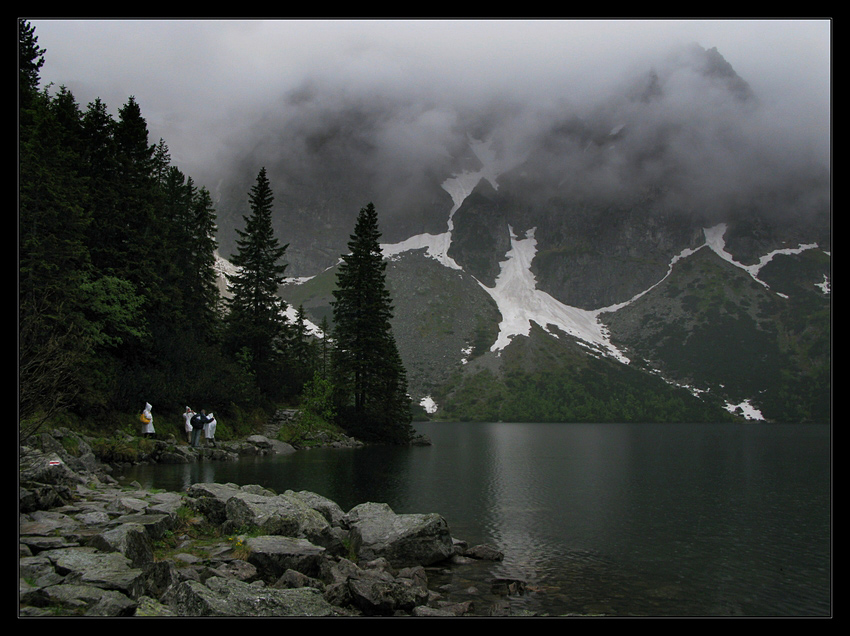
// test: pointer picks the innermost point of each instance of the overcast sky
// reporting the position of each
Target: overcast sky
(200, 81)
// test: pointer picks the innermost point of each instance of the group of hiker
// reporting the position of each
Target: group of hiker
(196, 424)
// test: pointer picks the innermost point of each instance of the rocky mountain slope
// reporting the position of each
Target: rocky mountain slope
(652, 248)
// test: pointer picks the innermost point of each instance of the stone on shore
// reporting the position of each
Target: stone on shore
(89, 547)
(402, 539)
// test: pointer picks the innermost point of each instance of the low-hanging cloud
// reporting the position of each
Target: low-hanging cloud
(388, 102)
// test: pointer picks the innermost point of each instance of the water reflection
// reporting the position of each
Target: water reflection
(569, 483)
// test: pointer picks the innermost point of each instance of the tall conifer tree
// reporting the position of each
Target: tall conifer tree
(256, 322)
(30, 61)
(369, 376)
(202, 277)
(53, 343)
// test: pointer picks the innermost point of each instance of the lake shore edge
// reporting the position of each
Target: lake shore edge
(90, 546)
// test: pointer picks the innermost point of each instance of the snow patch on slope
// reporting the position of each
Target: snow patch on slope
(515, 292)
(714, 239)
(225, 268)
(291, 314)
(428, 404)
(459, 187)
(521, 303)
(746, 409)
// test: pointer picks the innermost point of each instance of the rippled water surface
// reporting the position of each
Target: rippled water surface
(610, 519)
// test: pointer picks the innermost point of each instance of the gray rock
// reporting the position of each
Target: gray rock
(127, 505)
(237, 569)
(330, 510)
(156, 525)
(376, 592)
(159, 577)
(39, 544)
(31, 595)
(485, 552)
(49, 523)
(261, 442)
(226, 597)
(404, 540)
(255, 489)
(274, 555)
(339, 571)
(286, 515)
(37, 496)
(93, 517)
(130, 539)
(211, 500)
(32, 567)
(90, 600)
(166, 503)
(175, 457)
(464, 608)
(150, 607)
(292, 579)
(424, 610)
(108, 571)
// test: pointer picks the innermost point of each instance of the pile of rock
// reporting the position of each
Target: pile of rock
(87, 547)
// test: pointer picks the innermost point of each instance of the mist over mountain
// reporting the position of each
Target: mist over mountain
(684, 136)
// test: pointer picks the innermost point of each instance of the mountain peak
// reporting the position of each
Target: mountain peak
(710, 64)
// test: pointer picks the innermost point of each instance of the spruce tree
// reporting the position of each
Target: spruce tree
(54, 334)
(202, 279)
(369, 376)
(30, 61)
(256, 322)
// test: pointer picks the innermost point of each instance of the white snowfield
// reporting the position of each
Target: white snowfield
(521, 303)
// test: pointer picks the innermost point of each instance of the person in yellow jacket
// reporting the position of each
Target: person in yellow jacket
(147, 421)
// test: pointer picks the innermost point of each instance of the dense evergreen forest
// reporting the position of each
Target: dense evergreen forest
(118, 296)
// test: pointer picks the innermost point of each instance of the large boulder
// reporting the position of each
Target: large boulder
(274, 555)
(229, 597)
(130, 539)
(378, 593)
(45, 481)
(89, 600)
(108, 571)
(239, 508)
(82, 460)
(210, 500)
(402, 539)
(285, 515)
(330, 510)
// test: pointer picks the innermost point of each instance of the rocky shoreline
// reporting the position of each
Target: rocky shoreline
(90, 547)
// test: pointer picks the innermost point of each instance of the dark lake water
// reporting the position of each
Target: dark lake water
(602, 519)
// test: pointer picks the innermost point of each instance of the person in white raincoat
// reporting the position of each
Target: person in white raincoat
(187, 416)
(147, 420)
(209, 429)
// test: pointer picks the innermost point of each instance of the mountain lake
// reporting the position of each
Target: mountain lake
(598, 519)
